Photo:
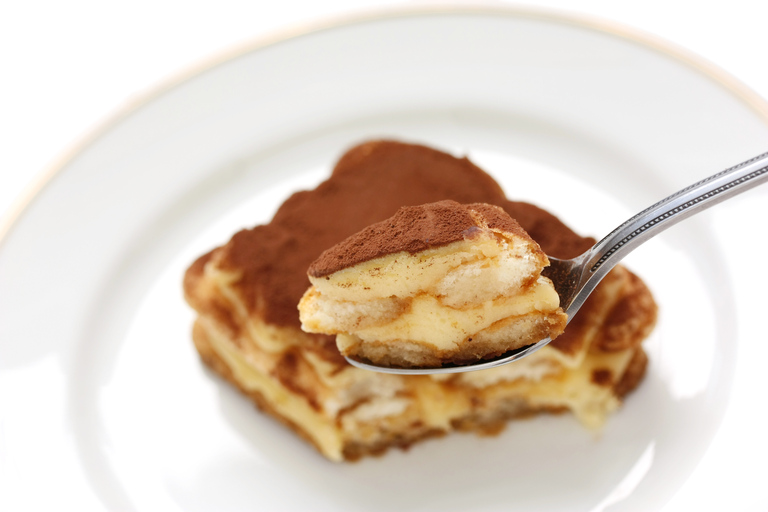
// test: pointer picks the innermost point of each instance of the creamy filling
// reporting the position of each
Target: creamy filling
(533, 368)
(320, 428)
(537, 382)
(429, 321)
(462, 273)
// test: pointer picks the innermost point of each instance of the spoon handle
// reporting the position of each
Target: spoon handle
(671, 210)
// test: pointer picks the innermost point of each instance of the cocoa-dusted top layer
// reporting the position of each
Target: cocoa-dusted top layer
(414, 229)
(369, 184)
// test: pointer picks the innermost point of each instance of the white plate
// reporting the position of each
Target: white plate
(103, 404)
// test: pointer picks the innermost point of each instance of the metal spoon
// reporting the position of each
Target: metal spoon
(576, 278)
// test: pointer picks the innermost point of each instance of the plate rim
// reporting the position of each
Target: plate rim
(746, 95)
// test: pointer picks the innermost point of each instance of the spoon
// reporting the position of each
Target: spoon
(576, 278)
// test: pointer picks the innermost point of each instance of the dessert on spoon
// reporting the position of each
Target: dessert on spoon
(436, 284)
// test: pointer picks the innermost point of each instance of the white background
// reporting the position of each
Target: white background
(68, 66)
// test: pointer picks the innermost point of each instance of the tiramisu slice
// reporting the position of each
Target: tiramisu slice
(436, 284)
(247, 325)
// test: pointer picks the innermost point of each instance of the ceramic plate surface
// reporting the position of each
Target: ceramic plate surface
(102, 397)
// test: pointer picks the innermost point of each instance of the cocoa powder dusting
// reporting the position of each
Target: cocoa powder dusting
(369, 184)
(413, 229)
